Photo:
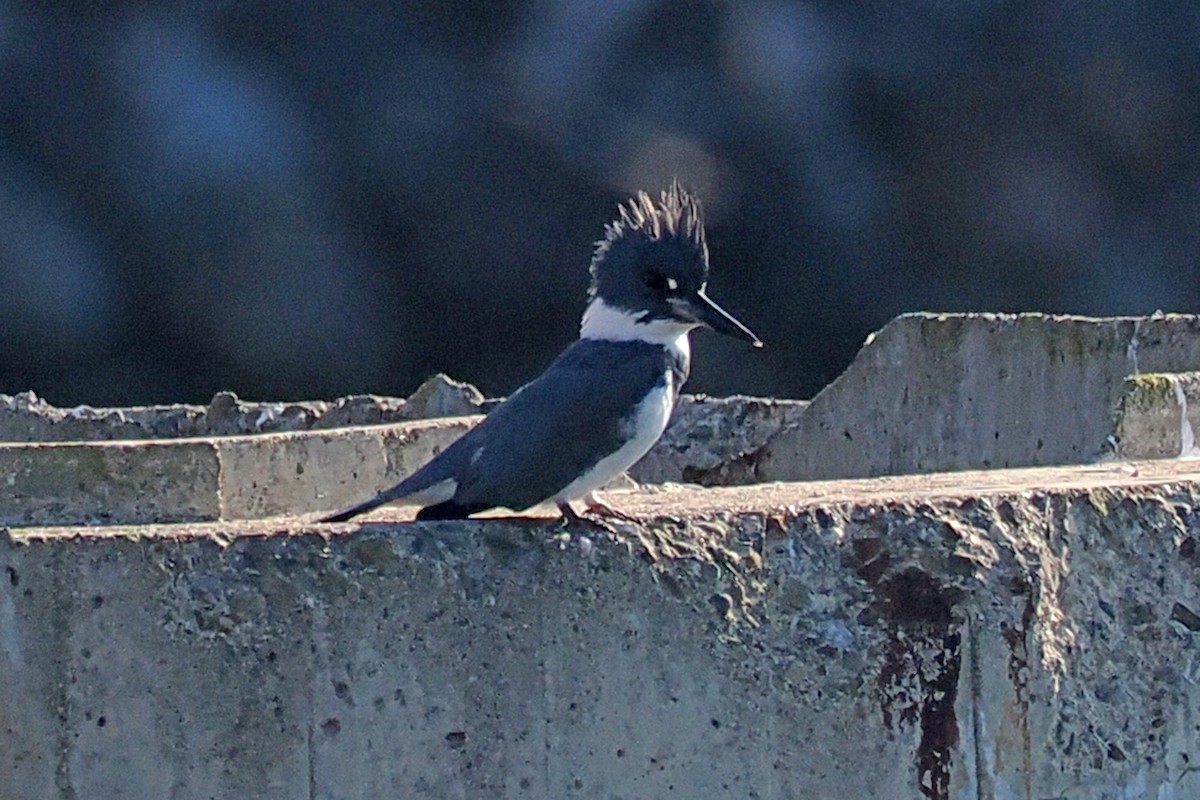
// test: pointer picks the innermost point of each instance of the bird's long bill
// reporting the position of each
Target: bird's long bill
(706, 312)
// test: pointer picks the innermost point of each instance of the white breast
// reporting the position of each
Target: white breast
(647, 423)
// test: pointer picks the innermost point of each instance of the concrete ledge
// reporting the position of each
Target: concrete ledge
(1011, 634)
(231, 477)
(188, 479)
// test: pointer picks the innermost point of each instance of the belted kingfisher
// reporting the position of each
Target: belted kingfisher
(606, 399)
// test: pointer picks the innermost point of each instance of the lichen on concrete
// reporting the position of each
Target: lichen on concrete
(1151, 387)
(1157, 416)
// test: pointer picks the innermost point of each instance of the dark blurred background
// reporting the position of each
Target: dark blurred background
(304, 200)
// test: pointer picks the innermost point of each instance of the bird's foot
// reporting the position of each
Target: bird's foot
(599, 508)
(597, 515)
(573, 519)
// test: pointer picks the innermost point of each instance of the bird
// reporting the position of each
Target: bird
(607, 398)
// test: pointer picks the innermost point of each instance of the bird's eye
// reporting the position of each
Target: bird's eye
(657, 282)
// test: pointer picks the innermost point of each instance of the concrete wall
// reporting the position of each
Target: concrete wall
(927, 393)
(933, 392)
(226, 477)
(1034, 636)
(223, 475)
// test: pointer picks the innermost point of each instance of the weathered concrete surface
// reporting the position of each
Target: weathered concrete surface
(936, 392)
(246, 477)
(709, 439)
(229, 477)
(1024, 634)
(25, 417)
(1158, 416)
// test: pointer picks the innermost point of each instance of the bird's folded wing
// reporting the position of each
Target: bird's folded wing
(559, 425)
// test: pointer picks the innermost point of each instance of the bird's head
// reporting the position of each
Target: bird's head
(650, 270)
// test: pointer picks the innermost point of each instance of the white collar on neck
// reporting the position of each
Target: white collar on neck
(602, 321)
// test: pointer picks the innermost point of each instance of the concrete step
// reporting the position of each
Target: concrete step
(1022, 634)
(231, 459)
(211, 478)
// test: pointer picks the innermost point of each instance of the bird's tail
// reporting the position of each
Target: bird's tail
(394, 493)
(424, 487)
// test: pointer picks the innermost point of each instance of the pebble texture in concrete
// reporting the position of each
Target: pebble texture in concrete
(932, 392)
(1033, 637)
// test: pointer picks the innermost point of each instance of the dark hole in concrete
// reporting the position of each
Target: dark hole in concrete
(871, 559)
(456, 738)
(1019, 585)
(1189, 552)
(723, 603)
(1185, 617)
(868, 616)
(915, 596)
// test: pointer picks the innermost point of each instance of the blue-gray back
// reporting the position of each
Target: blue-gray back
(554, 428)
